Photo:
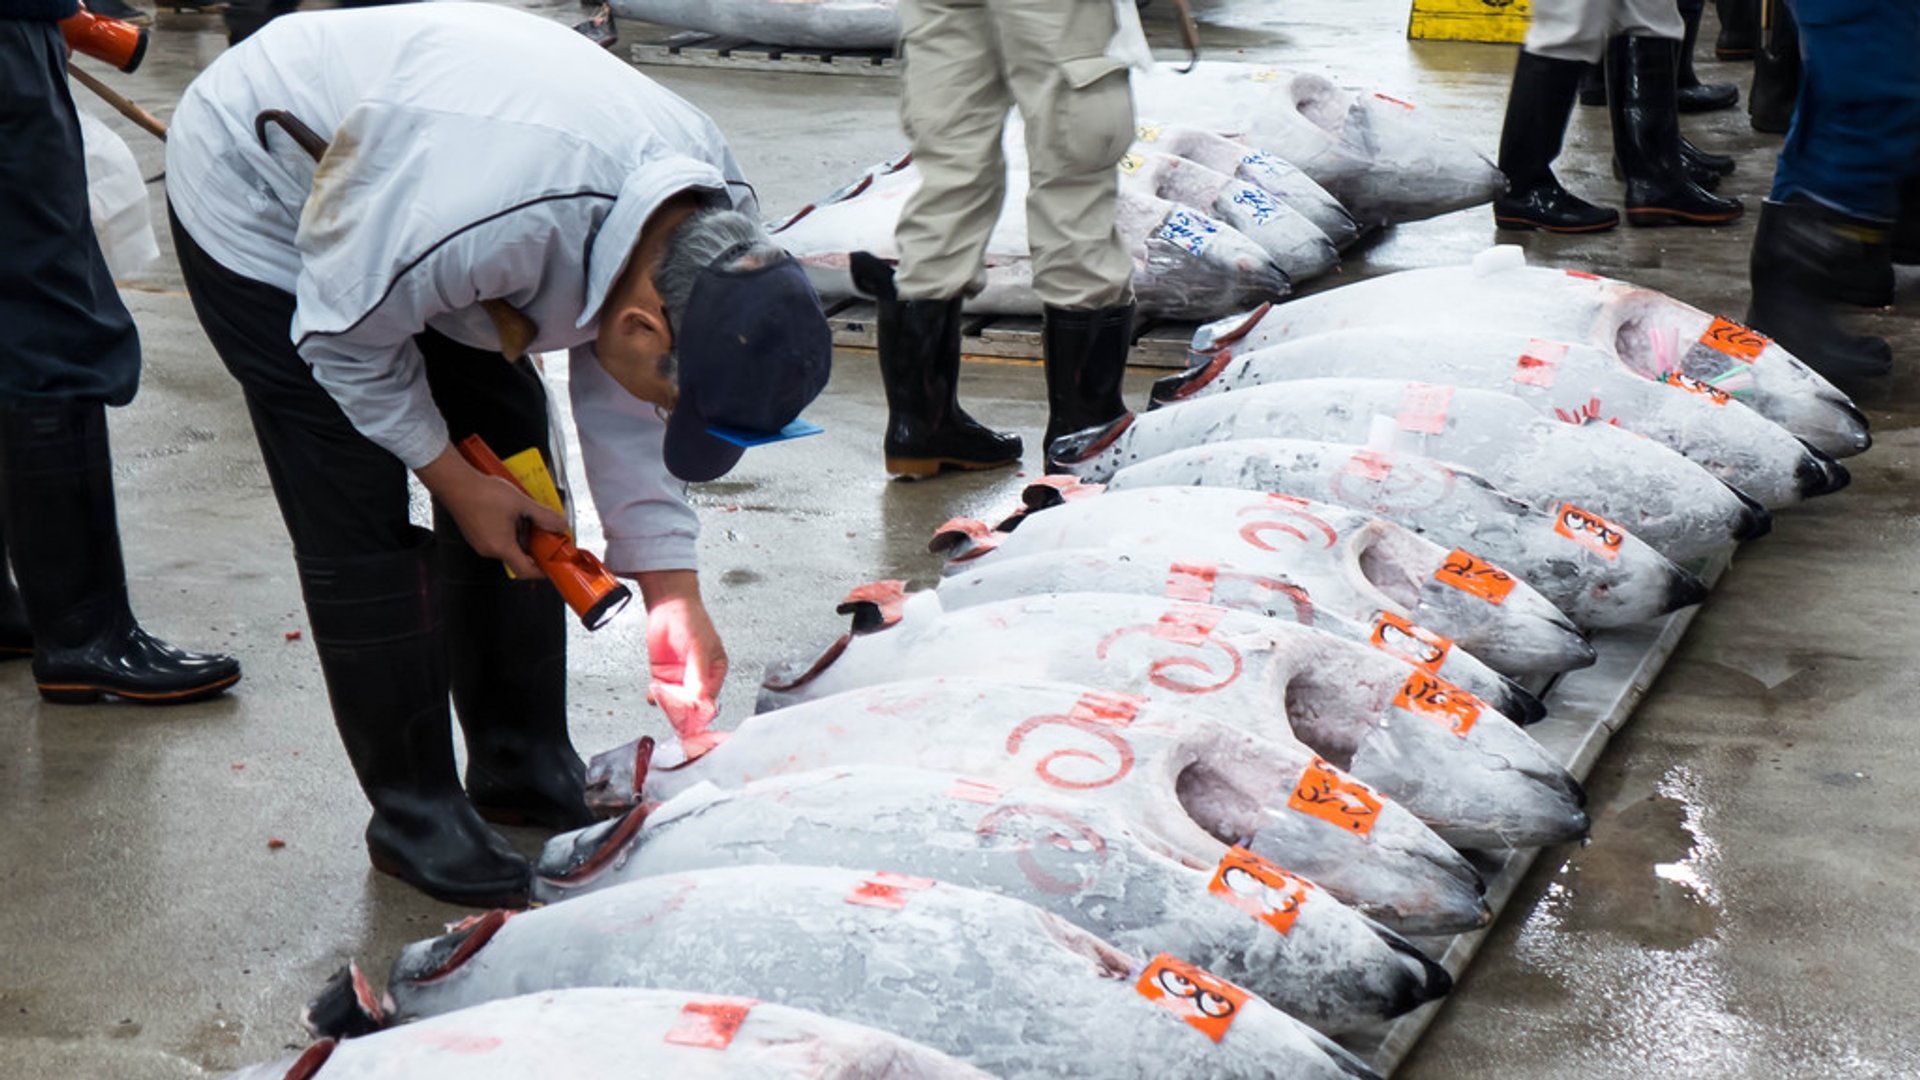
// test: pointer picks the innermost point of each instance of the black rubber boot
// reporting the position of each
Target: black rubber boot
(16, 637)
(927, 430)
(1802, 253)
(1692, 95)
(1537, 110)
(1086, 358)
(1646, 137)
(507, 658)
(1739, 29)
(1702, 167)
(65, 539)
(1593, 84)
(1776, 71)
(385, 660)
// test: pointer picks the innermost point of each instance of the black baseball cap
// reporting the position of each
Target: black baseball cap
(755, 350)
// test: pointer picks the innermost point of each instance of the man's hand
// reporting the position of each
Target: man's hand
(688, 664)
(488, 509)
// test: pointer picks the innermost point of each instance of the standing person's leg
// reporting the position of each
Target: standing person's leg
(507, 639)
(1776, 70)
(953, 105)
(1825, 231)
(1739, 29)
(1078, 106)
(69, 350)
(371, 594)
(1643, 104)
(1563, 40)
(1694, 95)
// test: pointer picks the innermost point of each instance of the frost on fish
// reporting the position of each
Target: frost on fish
(1353, 563)
(1656, 494)
(820, 24)
(1265, 171)
(1452, 760)
(1386, 160)
(1229, 585)
(1296, 245)
(1246, 920)
(1186, 784)
(991, 981)
(1651, 334)
(1562, 380)
(639, 1033)
(1598, 573)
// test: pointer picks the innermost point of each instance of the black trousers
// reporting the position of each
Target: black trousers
(65, 336)
(341, 494)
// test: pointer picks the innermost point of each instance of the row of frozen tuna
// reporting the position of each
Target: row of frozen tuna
(1159, 774)
(1247, 180)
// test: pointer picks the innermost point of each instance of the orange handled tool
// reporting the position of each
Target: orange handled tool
(109, 41)
(584, 582)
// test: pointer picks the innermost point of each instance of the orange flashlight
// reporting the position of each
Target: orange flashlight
(583, 580)
(109, 41)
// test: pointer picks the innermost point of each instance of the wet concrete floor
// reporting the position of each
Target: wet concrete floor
(1744, 908)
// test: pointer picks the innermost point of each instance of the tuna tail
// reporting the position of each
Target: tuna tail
(1756, 522)
(1081, 448)
(875, 605)
(1433, 983)
(963, 538)
(1820, 474)
(1173, 389)
(1050, 491)
(436, 958)
(578, 857)
(346, 1007)
(617, 777)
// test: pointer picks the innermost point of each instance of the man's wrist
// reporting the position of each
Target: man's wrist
(661, 586)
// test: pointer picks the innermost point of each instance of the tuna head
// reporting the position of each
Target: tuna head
(1189, 265)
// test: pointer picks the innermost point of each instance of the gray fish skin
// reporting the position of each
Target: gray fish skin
(1332, 968)
(1483, 783)
(1186, 783)
(1648, 332)
(1561, 380)
(595, 1031)
(1649, 490)
(1296, 245)
(1452, 506)
(1229, 586)
(1257, 167)
(820, 24)
(991, 981)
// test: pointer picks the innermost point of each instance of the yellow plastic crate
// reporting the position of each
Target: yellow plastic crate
(1497, 21)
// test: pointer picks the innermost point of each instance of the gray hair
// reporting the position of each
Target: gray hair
(711, 236)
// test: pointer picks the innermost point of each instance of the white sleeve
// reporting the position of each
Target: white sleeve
(643, 508)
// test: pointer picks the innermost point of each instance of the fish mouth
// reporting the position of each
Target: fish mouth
(1172, 389)
(1819, 473)
(1433, 982)
(1684, 589)
(1755, 522)
(1863, 440)
(1519, 704)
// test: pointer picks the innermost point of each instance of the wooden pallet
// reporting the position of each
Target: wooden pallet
(1156, 343)
(694, 48)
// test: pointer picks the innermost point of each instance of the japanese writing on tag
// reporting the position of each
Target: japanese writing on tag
(1259, 888)
(1423, 408)
(1203, 1000)
(1540, 363)
(887, 889)
(1437, 699)
(1417, 645)
(1471, 574)
(1734, 340)
(1338, 800)
(1188, 230)
(1260, 205)
(1696, 386)
(1191, 582)
(711, 1024)
(974, 791)
(1589, 530)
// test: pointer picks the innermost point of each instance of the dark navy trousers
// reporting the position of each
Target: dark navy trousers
(1856, 130)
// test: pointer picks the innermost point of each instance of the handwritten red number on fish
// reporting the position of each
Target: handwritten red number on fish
(1061, 838)
(1097, 715)
(1296, 596)
(1185, 624)
(1253, 532)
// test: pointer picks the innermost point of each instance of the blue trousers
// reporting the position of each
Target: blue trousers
(1856, 131)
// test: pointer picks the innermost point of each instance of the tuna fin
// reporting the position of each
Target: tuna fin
(875, 605)
(346, 1007)
(963, 538)
(1173, 389)
(1054, 490)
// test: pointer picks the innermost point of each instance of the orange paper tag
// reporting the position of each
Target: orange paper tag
(1191, 582)
(1540, 363)
(887, 890)
(1471, 574)
(1336, 799)
(710, 1023)
(1734, 340)
(1259, 888)
(1437, 699)
(1417, 645)
(1204, 1000)
(1423, 408)
(1590, 531)
(1695, 386)
(974, 791)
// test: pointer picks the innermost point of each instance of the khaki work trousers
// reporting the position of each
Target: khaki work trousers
(967, 62)
(1579, 29)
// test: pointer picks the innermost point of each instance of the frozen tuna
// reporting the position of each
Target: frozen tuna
(1185, 783)
(1356, 564)
(824, 24)
(1656, 494)
(992, 981)
(1452, 760)
(1600, 574)
(638, 1033)
(1269, 173)
(1651, 334)
(1246, 920)
(1561, 380)
(1296, 245)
